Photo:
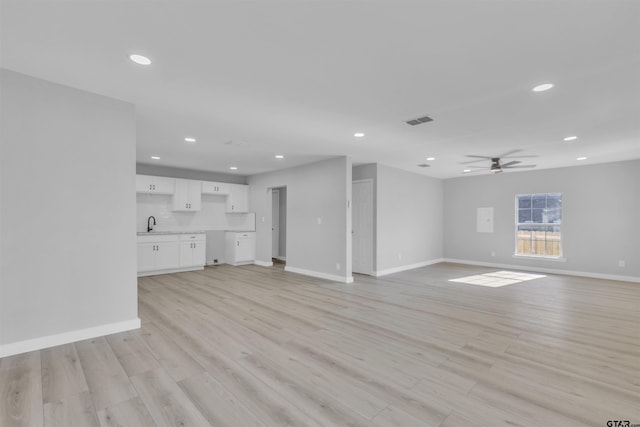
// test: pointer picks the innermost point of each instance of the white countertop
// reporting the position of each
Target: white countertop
(159, 233)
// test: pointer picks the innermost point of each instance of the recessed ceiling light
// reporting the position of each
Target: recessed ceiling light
(233, 168)
(279, 156)
(139, 59)
(190, 140)
(542, 87)
(466, 171)
(431, 158)
(358, 134)
(581, 158)
(571, 138)
(155, 157)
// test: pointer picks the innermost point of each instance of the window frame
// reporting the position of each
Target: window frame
(559, 257)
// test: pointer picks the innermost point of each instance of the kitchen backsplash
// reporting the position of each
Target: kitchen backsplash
(211, 217)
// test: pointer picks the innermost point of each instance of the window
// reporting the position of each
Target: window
(538, 224)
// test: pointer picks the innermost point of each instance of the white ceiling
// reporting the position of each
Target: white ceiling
(298, 78)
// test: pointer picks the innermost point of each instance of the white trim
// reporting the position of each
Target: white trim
(406, 267)
(68, 337)
(539, 258)
(319, 274)
(171, 270)
(263, 263)
(281, 258)
(633, 279)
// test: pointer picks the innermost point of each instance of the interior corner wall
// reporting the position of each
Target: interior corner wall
(318, 218)
(599, 217)
(370, 171)
(67, 214)
(409, 220)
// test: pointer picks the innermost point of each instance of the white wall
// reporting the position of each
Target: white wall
(601, 211)
(317, 190)
(68, 245)
(409, 219)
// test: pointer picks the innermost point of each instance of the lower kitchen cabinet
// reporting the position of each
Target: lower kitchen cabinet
(240, 247)
(169, 253)
(192, 250)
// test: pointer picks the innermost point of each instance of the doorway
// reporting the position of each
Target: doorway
(279, 225)
(362, 226)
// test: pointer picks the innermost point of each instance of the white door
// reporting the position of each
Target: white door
(275, 223)
(362, 227)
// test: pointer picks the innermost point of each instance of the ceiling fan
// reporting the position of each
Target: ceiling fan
(496, 165)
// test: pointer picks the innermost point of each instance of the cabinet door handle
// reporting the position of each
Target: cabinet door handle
(238, 243)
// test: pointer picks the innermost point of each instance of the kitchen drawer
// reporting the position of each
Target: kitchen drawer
(157, 238)
(191, 237)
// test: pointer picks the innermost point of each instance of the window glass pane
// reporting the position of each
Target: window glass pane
(524, 202)
(524, 240)
(524, 215)
(536, 215)
(554, 201)
(554, 216)
(539, 201)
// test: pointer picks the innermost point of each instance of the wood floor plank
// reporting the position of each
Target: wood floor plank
(62, 373)
(217, 404)
(21, 403)
(132, 353)
(107, 380)
(71, 411)
(168, 405)
(130, 413)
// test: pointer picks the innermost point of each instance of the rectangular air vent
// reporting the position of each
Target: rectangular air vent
(419, 120)
(424, 165)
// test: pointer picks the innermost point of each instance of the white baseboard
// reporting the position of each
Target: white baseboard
(546, 270)
(319, 274)
(264, 263)
(406, 267)
(67, 337)
(171, 270)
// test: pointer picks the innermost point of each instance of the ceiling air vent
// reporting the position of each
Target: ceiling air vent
(419, 120)
(424, 165)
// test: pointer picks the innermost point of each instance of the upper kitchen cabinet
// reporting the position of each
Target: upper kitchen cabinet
(187, 196)
(216, 188)
(238, 198)
(154, 184)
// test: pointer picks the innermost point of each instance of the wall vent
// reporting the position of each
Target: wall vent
(424, 165)
(419, 120)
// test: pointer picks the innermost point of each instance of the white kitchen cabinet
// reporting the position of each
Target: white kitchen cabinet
(158, 253)
(216, 188)
(192, 250)
(240, 247)
(238, 198)
(187, 196)
(169, 253)
(154, 184)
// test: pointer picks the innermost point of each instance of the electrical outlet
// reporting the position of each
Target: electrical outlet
(215, 261)
(622, 263)
(337, 266)
(399, 256)
(319, 220)
(262, 219)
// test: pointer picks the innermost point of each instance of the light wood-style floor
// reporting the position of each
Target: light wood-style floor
(255, 346)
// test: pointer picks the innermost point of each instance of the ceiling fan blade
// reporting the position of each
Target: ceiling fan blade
(508, 153)
(474, 161)
(480, 157)
(511, 163)
(519, 166)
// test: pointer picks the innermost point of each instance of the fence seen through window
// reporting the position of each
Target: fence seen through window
(538, 224)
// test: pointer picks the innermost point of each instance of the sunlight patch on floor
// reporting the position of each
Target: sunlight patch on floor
(497, 278)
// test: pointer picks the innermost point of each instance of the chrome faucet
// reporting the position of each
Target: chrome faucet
(149, 226)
